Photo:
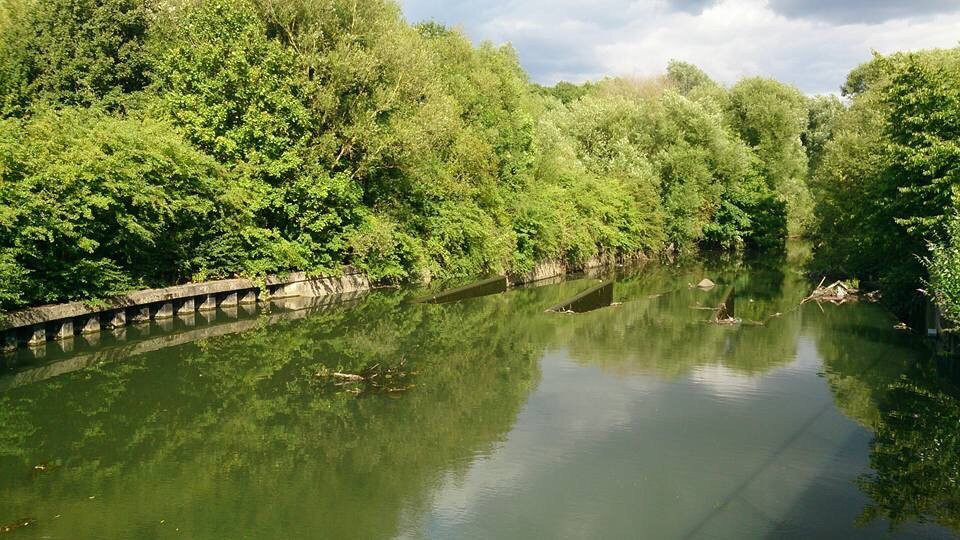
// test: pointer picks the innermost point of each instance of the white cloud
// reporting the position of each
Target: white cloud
(569, 40)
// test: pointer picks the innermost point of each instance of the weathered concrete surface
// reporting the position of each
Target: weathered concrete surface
(31, 316)
(184, 306)
(60, 329)
(115, 319)
(206, 303)
(552, 268)
(228, 299)
(37, 335)
(494, 285)
(301, 284)
(34, 326)
(593, 298)
(88, 324)
(544, 270)
(138, 314)
(163, 310)
(30, 325)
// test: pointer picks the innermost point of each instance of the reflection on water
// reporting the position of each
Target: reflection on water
(642, 419)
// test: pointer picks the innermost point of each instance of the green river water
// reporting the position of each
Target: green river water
(497, 420)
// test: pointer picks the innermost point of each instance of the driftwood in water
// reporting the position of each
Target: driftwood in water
(373, 379)
(836, 293)
(494, 285)
(597, 297)
(18, 524)
(725, 313)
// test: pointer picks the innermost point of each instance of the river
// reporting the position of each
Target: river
(491, 418)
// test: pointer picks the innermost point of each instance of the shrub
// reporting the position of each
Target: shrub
(96, 205)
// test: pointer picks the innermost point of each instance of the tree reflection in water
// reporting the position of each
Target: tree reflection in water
(203, 435)
(915, 454)
(909, 399)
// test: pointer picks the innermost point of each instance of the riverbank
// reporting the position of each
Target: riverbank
(34, 327)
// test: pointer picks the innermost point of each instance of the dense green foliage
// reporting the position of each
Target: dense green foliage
(98, 204)
(886, 180)
(151, 142)
(71, 52)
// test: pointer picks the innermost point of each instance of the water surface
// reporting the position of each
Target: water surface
(497, 420)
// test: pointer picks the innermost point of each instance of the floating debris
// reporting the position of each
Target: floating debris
(725, 311)
(706, 284)
(837, 293)
(18, 524)
(44, 467)
(372, 380)
(723, 316)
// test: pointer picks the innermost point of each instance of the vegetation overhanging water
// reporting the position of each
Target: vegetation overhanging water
(151, 142)
(505, 421)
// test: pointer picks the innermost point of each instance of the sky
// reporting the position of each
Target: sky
(811, 44)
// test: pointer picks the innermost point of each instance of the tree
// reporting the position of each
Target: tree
(771, 117)
(73, 52)
(241, 96)
(823, 112)
(93, 205)
(887, 179)
(687, 77)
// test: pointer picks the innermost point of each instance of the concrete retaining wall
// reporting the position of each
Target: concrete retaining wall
(35, 326)
(553, 268)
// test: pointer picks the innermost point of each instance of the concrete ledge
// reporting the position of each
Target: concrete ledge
(36, 325)
(36, 315)
(31, 325)
(301, 284)
(552, 268)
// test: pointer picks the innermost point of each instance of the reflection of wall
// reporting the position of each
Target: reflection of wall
(220, 436)
(184, 329)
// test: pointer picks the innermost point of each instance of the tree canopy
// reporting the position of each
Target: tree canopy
(152, 143)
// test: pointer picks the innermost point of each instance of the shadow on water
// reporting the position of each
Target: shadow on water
(478, 289)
